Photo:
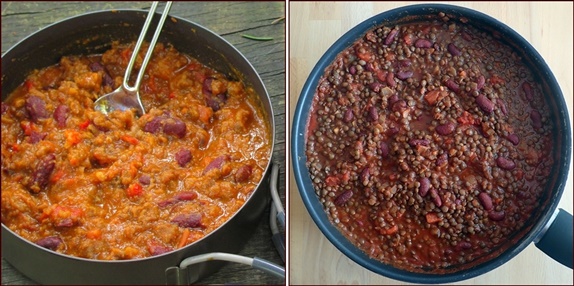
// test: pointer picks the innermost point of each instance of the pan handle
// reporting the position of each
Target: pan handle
(556, 241)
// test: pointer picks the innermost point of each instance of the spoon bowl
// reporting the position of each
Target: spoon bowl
(127, 97)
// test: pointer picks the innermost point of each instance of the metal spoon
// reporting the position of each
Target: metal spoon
(127, 97)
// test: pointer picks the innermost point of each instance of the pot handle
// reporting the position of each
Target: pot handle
(556, 241)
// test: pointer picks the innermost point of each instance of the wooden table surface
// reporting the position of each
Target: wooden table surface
(230, 20)
(313, 27)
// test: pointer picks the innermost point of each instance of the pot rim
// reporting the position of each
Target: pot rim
(301, 172)
(128, 15)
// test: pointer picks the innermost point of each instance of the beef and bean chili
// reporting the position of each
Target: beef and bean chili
(429, 144)
(120, 186)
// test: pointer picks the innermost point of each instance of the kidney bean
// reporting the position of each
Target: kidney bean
(370, 67)
(417, 142)
(405, 63)
(352, 70)
(61, 115)
(453, 50)
(50, 242)
(216, 163)
(485, 104)
(4, 107)
(108, 80)
(463, 245)
(502, 105)
(445, 129)
(536, 119)
(96, 66)
(373, 114)
(485, 200)
(375, 86)
(442, 159)
(144, 179)
(496, 216)
(186, 196)
(174, 126)
(36, 108)
(452, 85)
(365, 176)
(399, 105)
(169, 125)
(348, 117)
(391, 37)
(424, 187)
(505, 163)
(423, 43)
(527, 88)
(206, 87)
(154, 125)
(402, 75)
(183, 156)
(391, 79)
(41, 175)
(216, 102)
(513, 138)
(36, 137)
(384, 148)
(243, 173)
(66, 222)
(435, 197)
(466, 36)
(480, 82)
(181, 196)
(191, 220)
(343, 198)
(394, 98)
(156, 249)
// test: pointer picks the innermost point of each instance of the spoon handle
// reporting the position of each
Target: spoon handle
(150, 48)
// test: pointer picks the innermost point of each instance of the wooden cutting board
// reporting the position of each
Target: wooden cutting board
(313, 28)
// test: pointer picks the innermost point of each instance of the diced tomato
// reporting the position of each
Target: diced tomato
(171, 95)
(408, 38)
(205, 113)
(85, 124)
(94, 234)
(382, 75)
(134, 190)
(126, 54)
(72, 138)
(151, 83)
(366, 56)
(332, 181)
(28, 84)
(57, 176)
(432, 97)
(390, 231)
(27, 127)
(496, 79)
(466, 118)
(432, 218)
(130, 139)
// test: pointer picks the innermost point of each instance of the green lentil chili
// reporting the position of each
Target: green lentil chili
(428, 144)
